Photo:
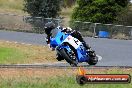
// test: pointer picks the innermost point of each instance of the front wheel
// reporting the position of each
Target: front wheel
(67, 56)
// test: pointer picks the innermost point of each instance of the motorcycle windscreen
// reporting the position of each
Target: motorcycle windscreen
(56, 37)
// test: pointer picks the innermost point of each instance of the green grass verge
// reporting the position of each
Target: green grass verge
(66, 81)
(10, 55)
(58, 82)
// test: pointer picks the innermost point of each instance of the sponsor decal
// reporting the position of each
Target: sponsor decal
(83, 78)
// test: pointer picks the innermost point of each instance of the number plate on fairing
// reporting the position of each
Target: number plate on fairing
(73, 41)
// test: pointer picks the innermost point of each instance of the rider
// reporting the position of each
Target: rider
(50, 26)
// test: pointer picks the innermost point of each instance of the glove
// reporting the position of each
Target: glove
(51, 48)
(49, 45)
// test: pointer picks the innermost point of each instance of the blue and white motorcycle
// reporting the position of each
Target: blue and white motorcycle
(71, 49)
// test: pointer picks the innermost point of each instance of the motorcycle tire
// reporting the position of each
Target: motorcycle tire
(67, 57)
(59, 57)
(93, 59)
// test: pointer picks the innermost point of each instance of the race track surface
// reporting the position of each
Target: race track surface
(114, 52)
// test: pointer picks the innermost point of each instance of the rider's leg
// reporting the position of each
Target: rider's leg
(78, 35)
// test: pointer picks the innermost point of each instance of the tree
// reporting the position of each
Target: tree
(125, 16)
(42, 8)
(101, 11)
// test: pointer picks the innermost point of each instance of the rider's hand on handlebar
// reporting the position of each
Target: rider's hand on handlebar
(51, 47)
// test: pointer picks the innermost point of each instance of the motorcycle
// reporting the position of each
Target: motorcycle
(71, 49)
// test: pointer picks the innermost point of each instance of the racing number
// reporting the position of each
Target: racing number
(76, 41)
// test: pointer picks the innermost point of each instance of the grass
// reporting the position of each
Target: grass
(54, 78)
(14, 6)
(13, 22)
(12, 53)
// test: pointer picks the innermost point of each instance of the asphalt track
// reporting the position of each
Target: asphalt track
(114, 52)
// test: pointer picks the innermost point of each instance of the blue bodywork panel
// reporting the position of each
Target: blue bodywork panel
(57, 40)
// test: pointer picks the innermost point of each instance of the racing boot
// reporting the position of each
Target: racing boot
(89, 50)
(92, 53)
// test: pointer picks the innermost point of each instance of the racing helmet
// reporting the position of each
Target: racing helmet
(69, 29)
(48, 27)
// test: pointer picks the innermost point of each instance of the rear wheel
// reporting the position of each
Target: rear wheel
(69, 57)
(93, 58)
